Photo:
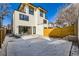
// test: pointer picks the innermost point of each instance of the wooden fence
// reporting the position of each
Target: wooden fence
(59, 32)
(2, 35)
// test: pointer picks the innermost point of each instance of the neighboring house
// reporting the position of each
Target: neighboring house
(65, 24)
(29, 20)
(52, 25)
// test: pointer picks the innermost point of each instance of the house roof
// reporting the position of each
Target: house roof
(42, 9)
(22, 5)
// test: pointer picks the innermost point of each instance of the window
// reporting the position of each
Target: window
(41, 13)
(24, 30)
(24, 17)
(31, 11)
(34, 30)
(45, 21)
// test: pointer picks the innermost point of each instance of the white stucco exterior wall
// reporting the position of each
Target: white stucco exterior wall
(34, 20)
(17, 22)
(39, 23)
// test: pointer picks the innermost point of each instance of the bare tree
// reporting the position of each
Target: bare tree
(70, 14)
(60, 22)
(4, 11)
(60, 19)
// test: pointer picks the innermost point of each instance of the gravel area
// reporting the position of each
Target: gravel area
(75, 50)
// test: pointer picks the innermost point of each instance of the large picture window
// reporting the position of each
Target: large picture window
(23, 17)
(31, 11)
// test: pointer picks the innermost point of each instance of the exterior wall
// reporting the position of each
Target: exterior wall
(40, 19)
(34, 20)
(17, 22)
(39, 29)
(39, 23)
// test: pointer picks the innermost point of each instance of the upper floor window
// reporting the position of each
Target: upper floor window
(31, 10)
(23, 17)
(45, 21)
(41, 13)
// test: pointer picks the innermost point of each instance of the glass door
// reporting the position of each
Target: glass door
(34, 30)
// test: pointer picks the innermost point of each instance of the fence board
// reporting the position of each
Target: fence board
(59, 32)
(2, 35)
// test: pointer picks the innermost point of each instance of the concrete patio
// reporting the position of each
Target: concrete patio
(35, 46)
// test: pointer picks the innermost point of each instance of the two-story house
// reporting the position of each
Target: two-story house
(29, 20)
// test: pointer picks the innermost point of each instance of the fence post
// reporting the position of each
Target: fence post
(2, 35)
(0, 38)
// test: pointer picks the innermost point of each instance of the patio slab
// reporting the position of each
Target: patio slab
(39, 47)
(25, 37)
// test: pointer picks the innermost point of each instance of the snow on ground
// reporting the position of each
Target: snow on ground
(38, 47)
(29, 36)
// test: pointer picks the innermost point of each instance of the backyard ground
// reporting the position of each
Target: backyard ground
(37, 46)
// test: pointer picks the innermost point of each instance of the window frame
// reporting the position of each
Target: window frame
(45, 21)
(24, 17)
(31, 10)
(41, 13)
